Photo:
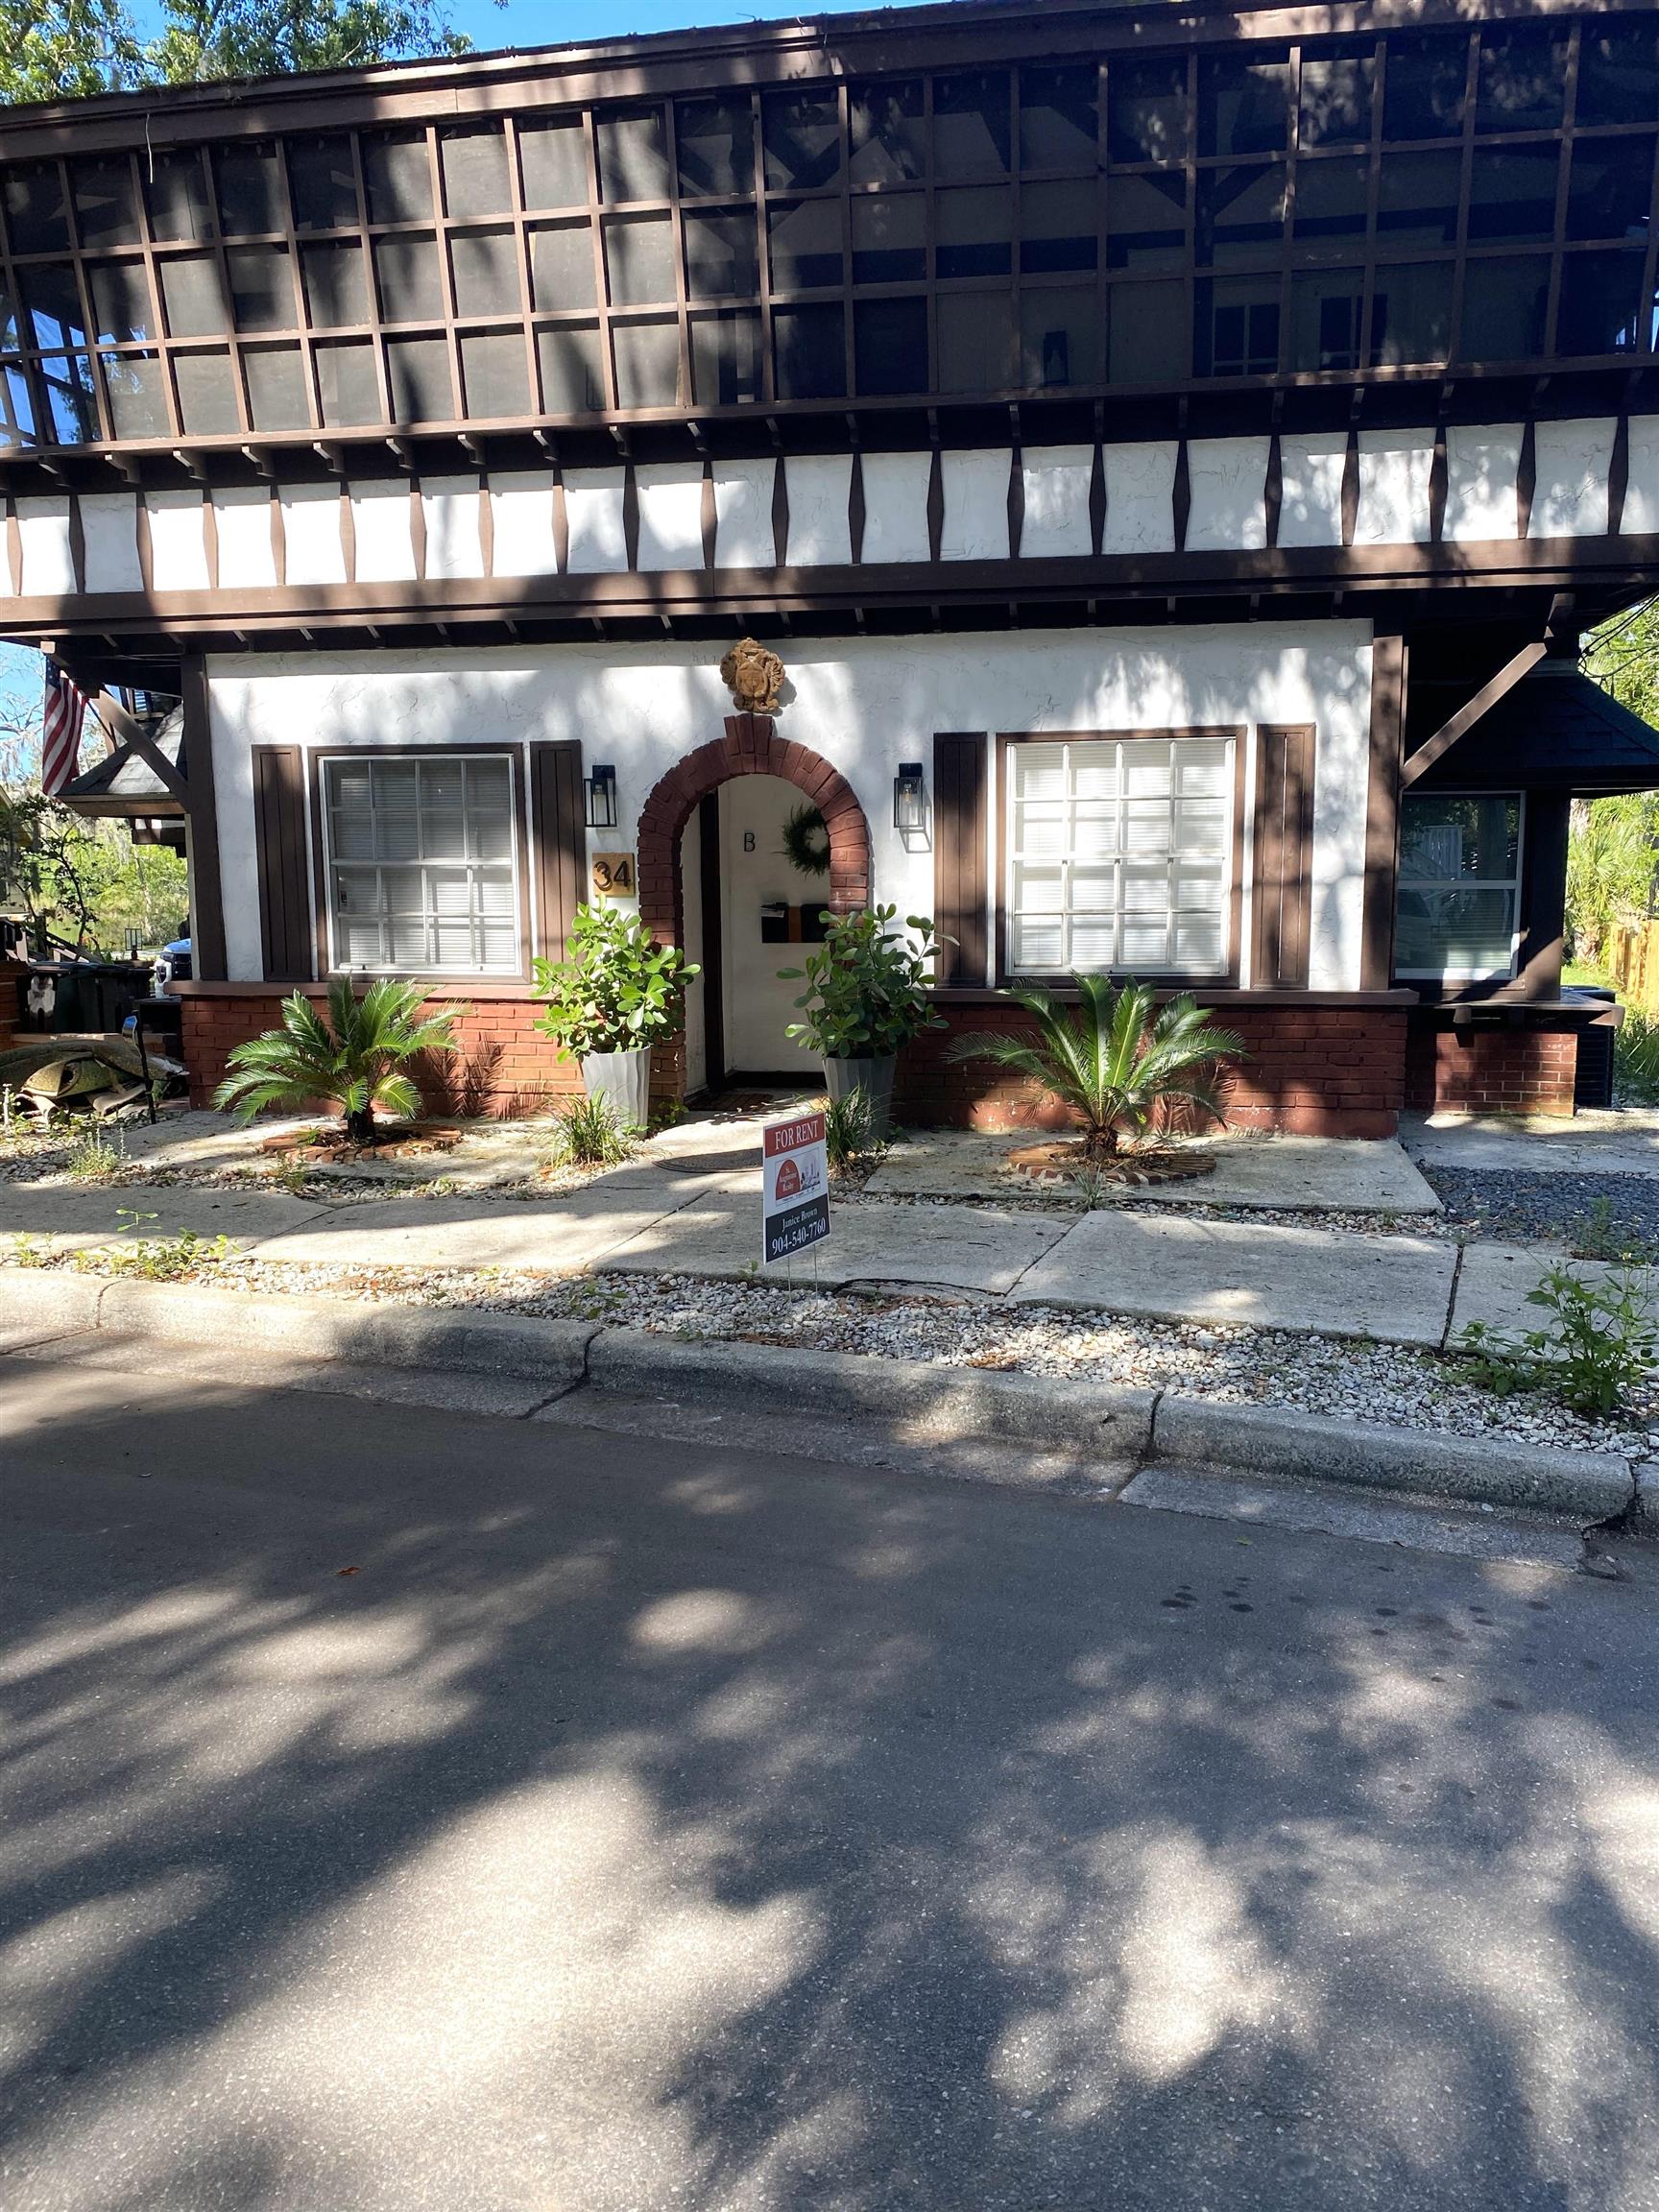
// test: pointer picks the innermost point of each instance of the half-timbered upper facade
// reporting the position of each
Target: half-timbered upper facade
(1171, 429)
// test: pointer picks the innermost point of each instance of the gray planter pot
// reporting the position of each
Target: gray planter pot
(874, 1077)
(624, 1080)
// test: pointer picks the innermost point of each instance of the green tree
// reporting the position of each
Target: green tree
(1613, 851)
(67, 49)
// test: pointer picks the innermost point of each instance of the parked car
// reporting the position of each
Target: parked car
(173, 964)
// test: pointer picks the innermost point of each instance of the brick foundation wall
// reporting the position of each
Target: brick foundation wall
(504, 1066)
(1316, 1070)
(1480, 1069)
(1313, 1071)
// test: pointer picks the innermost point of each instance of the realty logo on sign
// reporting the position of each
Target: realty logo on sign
(794, 1187)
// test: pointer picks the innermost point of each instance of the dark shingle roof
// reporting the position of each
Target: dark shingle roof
(123, 784)
(1554, 730)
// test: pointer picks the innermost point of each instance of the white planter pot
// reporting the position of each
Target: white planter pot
(624, 1080)
(873, 1077)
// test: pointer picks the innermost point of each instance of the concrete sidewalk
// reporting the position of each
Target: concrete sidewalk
(698, 1214)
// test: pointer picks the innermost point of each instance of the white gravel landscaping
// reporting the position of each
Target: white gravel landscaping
(1381, 1383)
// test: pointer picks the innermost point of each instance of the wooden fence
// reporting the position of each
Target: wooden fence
(1632, 960)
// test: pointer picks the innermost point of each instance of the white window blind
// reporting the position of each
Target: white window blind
(1459, 893)
(423, 864)
(1119, 855)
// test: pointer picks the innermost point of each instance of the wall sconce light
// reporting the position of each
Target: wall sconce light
(909, 797)
(599, 791)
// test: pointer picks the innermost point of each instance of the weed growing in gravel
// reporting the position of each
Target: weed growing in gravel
(1599, 1344)
(852, 1137)
(1600, 1238)
(94, 1158)
(154, 1258)
(586, 1134)
(28, 1251)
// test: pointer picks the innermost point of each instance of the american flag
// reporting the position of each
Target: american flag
(61, 720)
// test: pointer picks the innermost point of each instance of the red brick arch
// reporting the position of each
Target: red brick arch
(750, 747)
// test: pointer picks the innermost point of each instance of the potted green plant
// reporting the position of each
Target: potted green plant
(355, 1056)
(1115, 1059)
(616, 995)
(866, 996)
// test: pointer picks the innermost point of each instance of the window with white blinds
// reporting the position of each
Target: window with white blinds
(423, 864)
(1119, 855)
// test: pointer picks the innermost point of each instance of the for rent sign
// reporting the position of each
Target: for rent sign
(794, 1186)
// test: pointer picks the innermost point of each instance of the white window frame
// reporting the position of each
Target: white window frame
(1233, 738)
(1514, 883)
(423, 755)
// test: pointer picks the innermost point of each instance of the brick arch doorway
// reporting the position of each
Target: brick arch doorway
(750, 746)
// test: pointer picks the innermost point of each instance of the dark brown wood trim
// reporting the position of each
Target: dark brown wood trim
(1619, 476)
(1281, 884)
(780, 511)
(558, 840)
(77, 545)
(1566, 564)
(1435, 748)
(1546, 818)
(709, 516)
(713, 939)
(1207, 995)
(1236, 733)
(1382, 810)
(1526, 479)
(286, 937)
(206, 894)
(960, 885)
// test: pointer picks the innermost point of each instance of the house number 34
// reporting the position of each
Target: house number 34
(612, 874)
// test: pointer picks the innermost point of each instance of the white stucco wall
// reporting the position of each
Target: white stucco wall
(109, 524)
(247, 548)
(863, 704)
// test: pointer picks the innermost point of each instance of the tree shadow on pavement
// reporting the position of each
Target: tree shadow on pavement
(400, 1808)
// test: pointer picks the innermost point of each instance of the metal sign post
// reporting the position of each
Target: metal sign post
(794, 1187)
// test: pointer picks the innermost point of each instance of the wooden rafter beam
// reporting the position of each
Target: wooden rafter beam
(1487, 697)
(123, 726)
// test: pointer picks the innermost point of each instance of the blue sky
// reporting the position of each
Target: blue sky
(535, 23)
(520, 23)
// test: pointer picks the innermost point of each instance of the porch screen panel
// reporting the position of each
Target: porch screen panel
(1119, 855)
(423, 867)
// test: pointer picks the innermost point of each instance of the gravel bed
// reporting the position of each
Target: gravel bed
(1021, 1201)
(1375, 1382)
(1522, 1208)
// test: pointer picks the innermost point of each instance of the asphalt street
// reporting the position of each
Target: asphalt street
(407, 1808)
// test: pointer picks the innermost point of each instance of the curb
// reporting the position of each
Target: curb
(1531, 1478)
(520, 1345)
(934, 1404)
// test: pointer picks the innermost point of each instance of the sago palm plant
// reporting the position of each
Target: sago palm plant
(1113, 1059)
(355, 1057)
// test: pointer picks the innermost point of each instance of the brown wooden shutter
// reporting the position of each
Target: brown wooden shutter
(1281, 899)
(279, 842)
(959, 879)
(558, 840)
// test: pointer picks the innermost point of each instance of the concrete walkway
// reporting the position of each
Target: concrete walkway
(694, 1210)
(1311, 1175)
(1626, 1143)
